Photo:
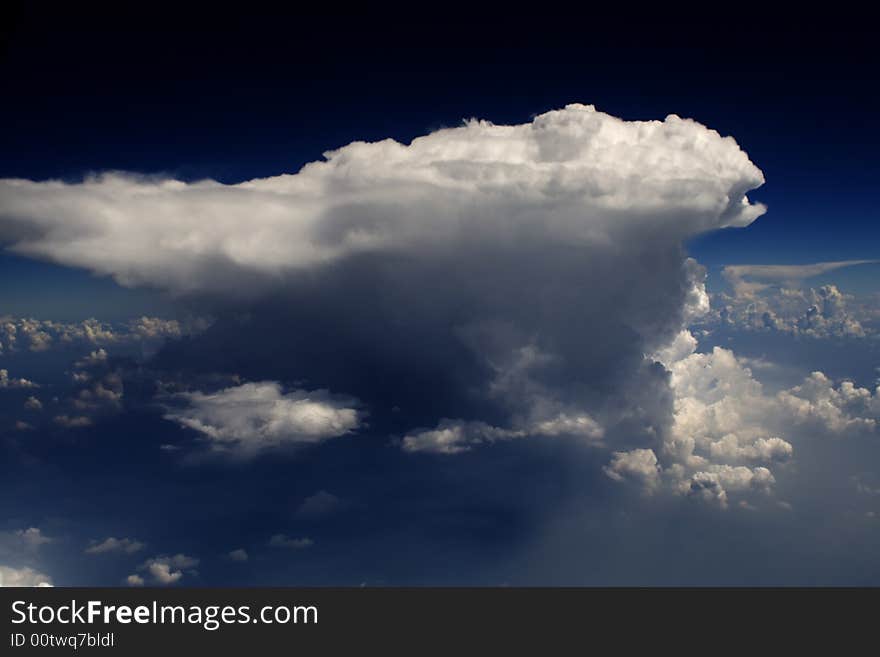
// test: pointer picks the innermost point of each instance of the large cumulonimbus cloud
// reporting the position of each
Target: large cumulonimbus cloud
(485, 282)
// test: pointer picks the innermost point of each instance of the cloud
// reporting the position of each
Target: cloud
(282, 541)
(255, 416)
(746, 280)
(95, 358)
(100, 395)
(165, 570)
(111, 544)
(727, 432)
(638, 464)
(7, 382)
(239, 555)
(32, 537)
(822, 312)
(72, 422)
(23, 577)
(18, 333)
(22, 548)
(480, 284)
(23, 541)
(33, 404)
(843, 409)
(134, 580)
(569, 175)
(163, 574)
(13, 333)
(454, 436)
(320, 504)
(723, 433)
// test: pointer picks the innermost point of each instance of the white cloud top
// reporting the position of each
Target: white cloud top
(574, 176)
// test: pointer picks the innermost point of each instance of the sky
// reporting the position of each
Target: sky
(300, 299)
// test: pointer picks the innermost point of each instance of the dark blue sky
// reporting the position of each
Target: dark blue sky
(217, 94)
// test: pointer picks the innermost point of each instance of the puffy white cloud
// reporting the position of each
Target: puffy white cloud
(99, 392)
(816, 312)
(255, 416)
(715, 481)
(282, 541)
(18, 333)
(697, 303)
(772, 298)
(103, 394)
(112, 544)
(637, 464)
(162, 573)
(134, 580)
(96, 357)
(152, 328)
(26, 577)
(165, 570)
(727, 432)
(838, 409)
(33, 404)
(729, 448)
(681, 346)
(21, 547)
(723, 432)
(7, 382)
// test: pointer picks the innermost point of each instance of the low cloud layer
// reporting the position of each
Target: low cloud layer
(745, 280)
(30, 334)
(7, 381)
(823, 312)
